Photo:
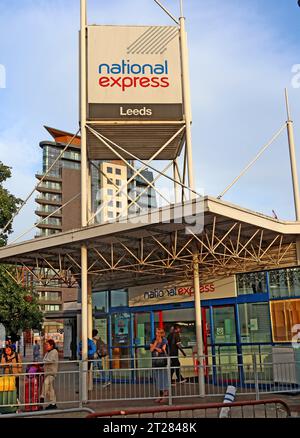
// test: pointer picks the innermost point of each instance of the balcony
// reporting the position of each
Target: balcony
(44, 189)
(46, 225)
(54, 178)
(43, 213)
(49, 199)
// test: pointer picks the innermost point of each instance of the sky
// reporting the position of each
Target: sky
(241, 57)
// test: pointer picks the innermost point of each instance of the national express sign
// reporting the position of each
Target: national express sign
(165, 293)
(134, 73)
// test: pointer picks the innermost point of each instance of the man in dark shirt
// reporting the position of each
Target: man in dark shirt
(174, 343)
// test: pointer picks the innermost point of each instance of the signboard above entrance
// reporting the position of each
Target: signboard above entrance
(165, 293)
(134, 73)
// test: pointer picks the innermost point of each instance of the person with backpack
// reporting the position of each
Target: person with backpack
(174, 346)
(100, 355)
(11, 363)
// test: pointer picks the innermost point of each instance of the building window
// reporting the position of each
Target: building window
(284, 283)
(224, 322)
(251, 283)
(110, 203)
(109, 170)
(52, 307)
(119, 204)
(285, 317)
(254, 322)
(118, 182)
(119, 298)
(118, 171)
(100, 301)
(110, 214)
(110, 192)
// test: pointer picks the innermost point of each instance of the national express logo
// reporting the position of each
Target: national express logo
(127, 76)
(177, 291)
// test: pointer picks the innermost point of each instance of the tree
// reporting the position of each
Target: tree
(8, 204)
(18, 306)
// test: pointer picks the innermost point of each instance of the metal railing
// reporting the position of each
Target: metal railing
(135, 379)
(273, 408)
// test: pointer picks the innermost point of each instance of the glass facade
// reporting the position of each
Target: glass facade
(284, 283)
(236, 330)
(252, 283)
(100, 301)
(119, 298)
(285, 319)
(224, 325)
(255, 322)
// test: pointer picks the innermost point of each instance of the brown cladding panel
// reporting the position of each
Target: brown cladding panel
(71, 214)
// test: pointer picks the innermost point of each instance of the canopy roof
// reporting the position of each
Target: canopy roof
(159, 246)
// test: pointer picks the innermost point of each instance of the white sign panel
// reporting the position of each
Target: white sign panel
(175, 293)
(137, 66)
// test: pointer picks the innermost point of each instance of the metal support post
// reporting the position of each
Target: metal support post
(84, 322)
(199, 339)
(187, 103)
(290, 130)
(84, 200)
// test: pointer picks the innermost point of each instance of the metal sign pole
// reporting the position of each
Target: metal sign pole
(187, 102)
(290, 130)
(198, 318)
(84, 203)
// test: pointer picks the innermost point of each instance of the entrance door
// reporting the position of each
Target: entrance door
(142, 339)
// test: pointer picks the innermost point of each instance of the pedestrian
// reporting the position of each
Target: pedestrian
(174, 344)
(50, 371)
(11, 363)
(100, 356)
(36, 351)
(158, 348)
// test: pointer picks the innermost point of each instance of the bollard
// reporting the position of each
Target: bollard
(229, 398)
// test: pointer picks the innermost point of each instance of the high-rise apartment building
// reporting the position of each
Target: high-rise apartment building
(61, 185)
(111, 197)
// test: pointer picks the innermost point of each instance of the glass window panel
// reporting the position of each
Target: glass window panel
(100, 301)
(142, 329)
(224, 325)
(284, 283)
(120, 328)
(255, 322)
(285, 318)
(251, 283)
(119, 298)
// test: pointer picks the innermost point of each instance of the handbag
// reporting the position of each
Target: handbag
(159, 360)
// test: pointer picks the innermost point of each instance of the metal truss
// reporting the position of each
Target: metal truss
(223, 249)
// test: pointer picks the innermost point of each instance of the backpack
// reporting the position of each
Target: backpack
(91, 349)
(101, 348)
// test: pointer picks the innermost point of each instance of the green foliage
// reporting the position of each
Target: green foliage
(8, 204)
(18, 307)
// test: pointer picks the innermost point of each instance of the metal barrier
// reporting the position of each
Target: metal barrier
(29, 388)
(136, 379)
(273, 408)
(47, 413)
